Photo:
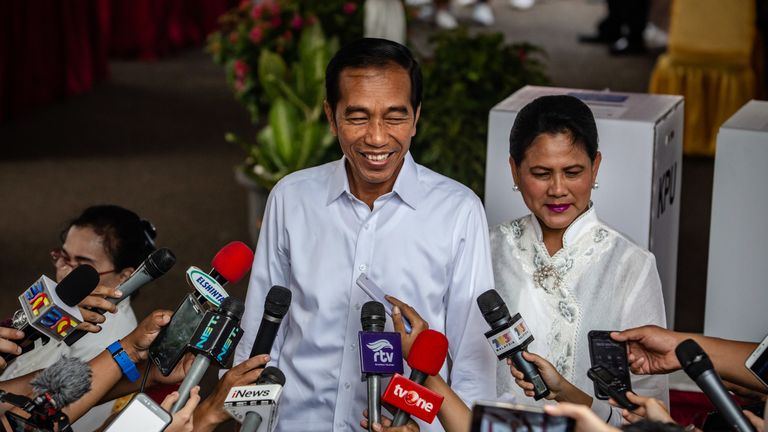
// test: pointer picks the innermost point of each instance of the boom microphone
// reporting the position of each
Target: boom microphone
(157, 264)
(275, 307)
(50, 310)
(509, 337)
(699, 367)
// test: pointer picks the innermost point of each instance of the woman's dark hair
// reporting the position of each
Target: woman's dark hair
(371, 52)
(128, 239)
(553, 115)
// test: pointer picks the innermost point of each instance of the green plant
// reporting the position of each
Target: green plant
(464, 79)
(295, 135)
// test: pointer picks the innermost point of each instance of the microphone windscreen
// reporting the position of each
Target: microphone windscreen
(271, 375)
(233, 306)
(428, 352)
(159, 262)
(233, 261)
(65, 381)
(372, 315)
(278, 301)
(692, 358)
(76, 286)
(492, 306)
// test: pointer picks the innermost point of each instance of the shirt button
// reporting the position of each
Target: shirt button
(347, 386)
(352, 346)
(366, 226)
(363, 267)
(357, 306)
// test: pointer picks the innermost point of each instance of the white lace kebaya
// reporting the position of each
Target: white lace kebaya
(599, 280)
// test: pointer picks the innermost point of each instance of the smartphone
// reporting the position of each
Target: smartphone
(171, 343)
(141, 414)
(611, 385)
(757, 363)
(376, 294)
(610, 354)
(500, 416)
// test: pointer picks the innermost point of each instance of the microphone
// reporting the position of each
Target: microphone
(699, 367)
(49, 310)
(252, 405)
(509, 337)
(213, 340)
(157, 264)
(275, 307)
(230, 264)
(427, 356)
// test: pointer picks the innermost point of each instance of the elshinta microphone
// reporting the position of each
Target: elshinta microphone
(213, 340)
(265, 396)
(373, 319)
(699, 367)
(275, 307)
(157, 264)
(425, 359)
(49, 310)
(509, 337)
(61, 384)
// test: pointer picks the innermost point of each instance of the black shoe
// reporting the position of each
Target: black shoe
(596, 39)
(623, 46)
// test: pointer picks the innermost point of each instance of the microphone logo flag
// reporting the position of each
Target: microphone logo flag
(380, 353)
(206, 286)
(46, 312)
(412, 398)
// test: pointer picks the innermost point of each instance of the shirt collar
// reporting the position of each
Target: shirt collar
(407, 185)
(579, 226)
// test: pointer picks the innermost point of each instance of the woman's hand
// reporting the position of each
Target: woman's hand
(136, 344)
(6, 346)
(386, 424)
(97, 300)
(418, 324)
(560, 389)
(586, 420)
(650, 408)
(183, 421)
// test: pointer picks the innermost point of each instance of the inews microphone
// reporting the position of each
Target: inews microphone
(50, 310)
(214, 338)
(509, 337)
(157, 264)
(253, 404)
(699, 367)
(275, 307)
(427, 356)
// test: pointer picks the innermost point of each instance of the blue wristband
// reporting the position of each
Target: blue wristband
(125, 362)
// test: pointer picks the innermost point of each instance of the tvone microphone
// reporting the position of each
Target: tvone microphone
(426, 358)
(373, 319)
(157, 264)
(275, 307)
(699, 367)
(256, 405)
(50, 310)
(509, 337)
(213, 340)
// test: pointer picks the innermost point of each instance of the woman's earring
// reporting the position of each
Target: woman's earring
(515, 188)
(596, 185)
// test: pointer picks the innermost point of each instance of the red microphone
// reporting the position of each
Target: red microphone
(426, 358)
(232, 262)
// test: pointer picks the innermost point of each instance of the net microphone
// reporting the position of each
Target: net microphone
(275, 307)
(157, 264)
(426, 358)
(213, 340)
(699, 367)
(256, 404)
(49, 310)
(509, 337)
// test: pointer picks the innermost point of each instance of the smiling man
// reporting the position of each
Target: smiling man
(419, 235)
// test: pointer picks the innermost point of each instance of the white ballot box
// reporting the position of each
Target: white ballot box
(640, 137)
(737, 280)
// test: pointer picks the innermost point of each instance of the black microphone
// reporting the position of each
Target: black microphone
(699, 367)
(373, 319)
(213, 340)
(157, 264)
(509, 337)
(252, 421)
(275, 307)
(49, 310)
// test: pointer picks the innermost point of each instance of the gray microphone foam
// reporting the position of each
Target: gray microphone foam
(65, 381)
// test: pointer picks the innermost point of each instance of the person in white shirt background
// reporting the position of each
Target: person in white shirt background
(114, 241)
(420, 236)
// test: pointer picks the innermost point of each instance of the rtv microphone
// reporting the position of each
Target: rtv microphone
(50, 310)
(509, 337)
(275, 307)
(256, 404)
(380, 354)
(213, 340)
(699, 367)
(426, 358)
(157, 264)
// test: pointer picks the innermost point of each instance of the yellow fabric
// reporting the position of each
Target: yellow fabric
(709, 62)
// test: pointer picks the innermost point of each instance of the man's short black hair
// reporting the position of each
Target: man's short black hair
(371, 52)
(553, 115)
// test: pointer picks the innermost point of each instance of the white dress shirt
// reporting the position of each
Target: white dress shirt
(426, 243)
(599, 280)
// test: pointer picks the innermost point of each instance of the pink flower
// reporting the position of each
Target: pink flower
(241, 68)
(276, 21)
(297, 22)
(349, 8)
(257, 11)
(256, 35)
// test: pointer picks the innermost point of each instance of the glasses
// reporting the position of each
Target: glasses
(60, 259)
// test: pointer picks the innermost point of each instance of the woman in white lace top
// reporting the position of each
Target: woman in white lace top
(563, 269)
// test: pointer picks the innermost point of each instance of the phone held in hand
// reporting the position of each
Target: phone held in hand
(141, 414)
(171, 344)
(757, 363)
(612, 385)
(610, 354)
(500, 416)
